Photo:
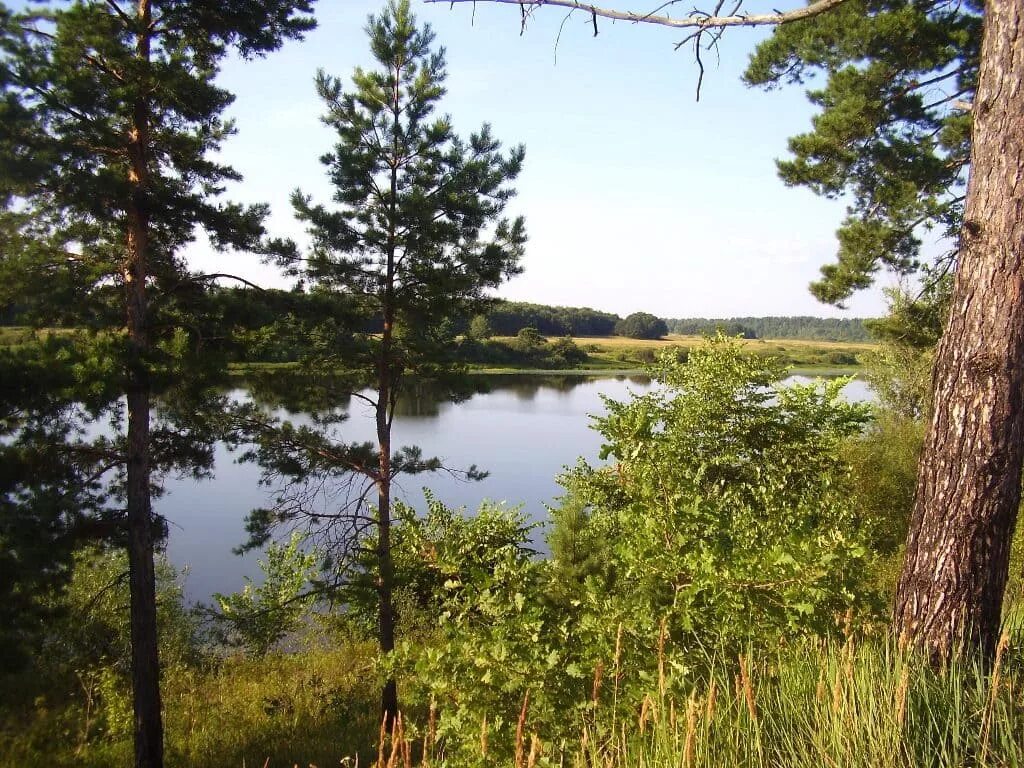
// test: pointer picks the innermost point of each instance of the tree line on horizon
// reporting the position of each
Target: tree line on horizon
(250, 310)
(778, 327)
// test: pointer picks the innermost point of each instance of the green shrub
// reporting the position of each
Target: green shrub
(566, 349)
(259, 616)
(76, 696)
(884, 475)
(841, 358)
(724, 522)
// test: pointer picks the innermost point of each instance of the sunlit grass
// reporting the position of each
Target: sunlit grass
(819, 704)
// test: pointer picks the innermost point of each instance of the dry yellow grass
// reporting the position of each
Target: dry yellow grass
(619, 352)
(673, 339)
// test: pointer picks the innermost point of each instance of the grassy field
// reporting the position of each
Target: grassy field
(620, 354)
(606, 354)
(14, 335)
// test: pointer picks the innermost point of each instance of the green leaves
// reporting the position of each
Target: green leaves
(890, 134)
(418, 230)
(727, 510)
(261, 615)
(723, 522)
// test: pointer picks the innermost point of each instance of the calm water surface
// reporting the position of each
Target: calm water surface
(524, 431)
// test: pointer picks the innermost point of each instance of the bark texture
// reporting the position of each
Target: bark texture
(141, 572)
(949, 598)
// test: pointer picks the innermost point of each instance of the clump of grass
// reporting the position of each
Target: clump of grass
(816, 704)
(311, 707)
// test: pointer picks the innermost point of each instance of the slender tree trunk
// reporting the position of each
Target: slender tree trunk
(142, 578)
(385, 395)
(385, 566)
(950, 594)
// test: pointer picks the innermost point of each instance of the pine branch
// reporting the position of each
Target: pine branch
(96, 61)
(121, 14)
(218, 275)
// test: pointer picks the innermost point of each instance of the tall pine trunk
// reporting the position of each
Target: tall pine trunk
(385, 566)
(385, 383)
(950, 594)
(142, 577)
(385, 394)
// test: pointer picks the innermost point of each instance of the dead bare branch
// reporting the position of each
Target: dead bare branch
(696, 20)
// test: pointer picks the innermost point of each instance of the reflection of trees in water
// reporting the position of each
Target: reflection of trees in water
(298, 392)
(422, 398)
(525, 386)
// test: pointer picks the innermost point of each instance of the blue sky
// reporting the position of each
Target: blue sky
(636, 196)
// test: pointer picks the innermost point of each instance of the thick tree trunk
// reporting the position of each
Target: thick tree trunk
(141, 572)
(950, 594)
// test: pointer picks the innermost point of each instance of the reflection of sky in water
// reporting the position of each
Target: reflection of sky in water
(522, 431)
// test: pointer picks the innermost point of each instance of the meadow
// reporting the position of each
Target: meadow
(621, 354)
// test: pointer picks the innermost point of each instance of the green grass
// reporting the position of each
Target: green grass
(312, 707)
(815, 704)
(14, 335)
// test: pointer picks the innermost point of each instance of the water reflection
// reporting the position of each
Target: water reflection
(523, 429)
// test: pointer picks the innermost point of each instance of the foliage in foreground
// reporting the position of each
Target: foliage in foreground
(812, 704)
(725, 522)
(259, 616)
(314, 705)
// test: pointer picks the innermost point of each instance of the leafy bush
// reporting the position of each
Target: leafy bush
(438, 555)
(724, 522)
(528, 340)
(841, 358)
(727, 507)
(258, 617)
(641, 325)
(567, 350)
(528, 349)
(77, 693)
(479, 328)
(883, 460)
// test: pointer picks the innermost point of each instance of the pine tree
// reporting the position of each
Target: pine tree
(892, 132)
(110, 117)
(949, 600)
(416, 240)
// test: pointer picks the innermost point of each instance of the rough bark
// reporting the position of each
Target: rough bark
(950, 594)
(141, 577)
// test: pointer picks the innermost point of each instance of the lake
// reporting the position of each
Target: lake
(523, 429)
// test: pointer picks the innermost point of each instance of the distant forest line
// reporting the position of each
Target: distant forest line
(246, 309)
(796, 327)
